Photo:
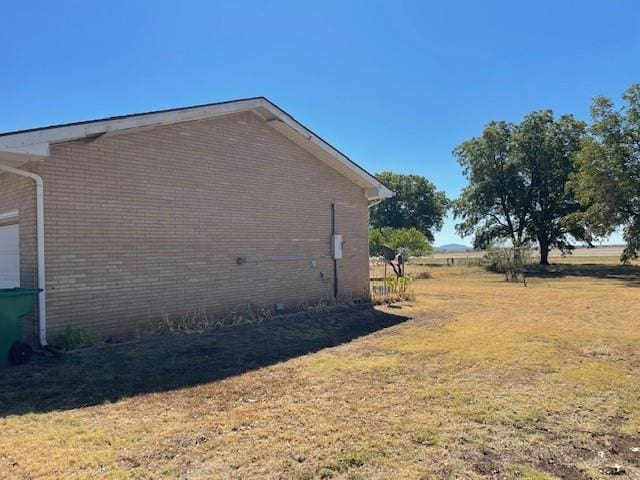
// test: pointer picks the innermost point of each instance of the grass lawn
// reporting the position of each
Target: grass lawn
(479, 379)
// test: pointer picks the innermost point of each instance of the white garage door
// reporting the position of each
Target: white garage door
(9, 256)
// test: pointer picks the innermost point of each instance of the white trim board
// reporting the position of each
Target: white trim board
(17, 148)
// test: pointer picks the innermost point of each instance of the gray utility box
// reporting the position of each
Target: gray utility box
(336, 246)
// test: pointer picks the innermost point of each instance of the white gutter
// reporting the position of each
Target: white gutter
(42, 303)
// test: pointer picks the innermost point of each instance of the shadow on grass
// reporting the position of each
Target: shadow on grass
(626, 273)
(159, 364)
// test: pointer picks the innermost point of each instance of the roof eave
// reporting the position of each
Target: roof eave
(17, 148)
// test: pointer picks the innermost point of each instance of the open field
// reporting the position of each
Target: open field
(478, 379)
(555, 255)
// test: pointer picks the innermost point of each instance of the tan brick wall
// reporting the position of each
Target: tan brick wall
(153, 222)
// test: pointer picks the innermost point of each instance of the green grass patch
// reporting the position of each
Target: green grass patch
(522, 472)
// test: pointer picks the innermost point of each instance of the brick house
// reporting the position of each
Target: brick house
(153, 214)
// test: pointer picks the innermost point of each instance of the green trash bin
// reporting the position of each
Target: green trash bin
(15, 303)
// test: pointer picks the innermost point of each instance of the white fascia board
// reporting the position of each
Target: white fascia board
(17, 149)
(31, 140)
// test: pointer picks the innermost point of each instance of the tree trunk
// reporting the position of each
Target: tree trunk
(544, 253)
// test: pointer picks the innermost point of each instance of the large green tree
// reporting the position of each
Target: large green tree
(545, 148)
(416, 204)
(607, 179)
(516, 183)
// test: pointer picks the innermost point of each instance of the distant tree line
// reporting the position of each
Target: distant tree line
(546, 181)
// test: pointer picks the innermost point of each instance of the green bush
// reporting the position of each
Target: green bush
(411, 240)
(376, 241)
(397, 285)
(73, 338)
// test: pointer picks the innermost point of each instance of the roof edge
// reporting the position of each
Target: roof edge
(130, 115)
(20, 146)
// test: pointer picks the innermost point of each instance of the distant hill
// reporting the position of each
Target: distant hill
(453, 247)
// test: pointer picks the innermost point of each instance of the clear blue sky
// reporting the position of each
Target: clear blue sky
(395, 85)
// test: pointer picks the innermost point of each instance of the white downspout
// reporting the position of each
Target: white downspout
(42, 299)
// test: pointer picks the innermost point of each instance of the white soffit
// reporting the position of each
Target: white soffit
(17, 148)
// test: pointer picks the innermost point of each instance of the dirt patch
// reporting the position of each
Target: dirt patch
(488, 464)
(561, 470)
(487, 468)
(492, 466)
(625, 449)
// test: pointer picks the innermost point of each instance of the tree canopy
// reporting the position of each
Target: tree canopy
(411, 240)
(492, 205)
(516, 183)
(416, 204)
(546, 148)
(607, 178)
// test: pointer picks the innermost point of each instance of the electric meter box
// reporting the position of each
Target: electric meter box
(336, 246)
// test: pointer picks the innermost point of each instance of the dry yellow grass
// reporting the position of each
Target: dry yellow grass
(486, 380)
